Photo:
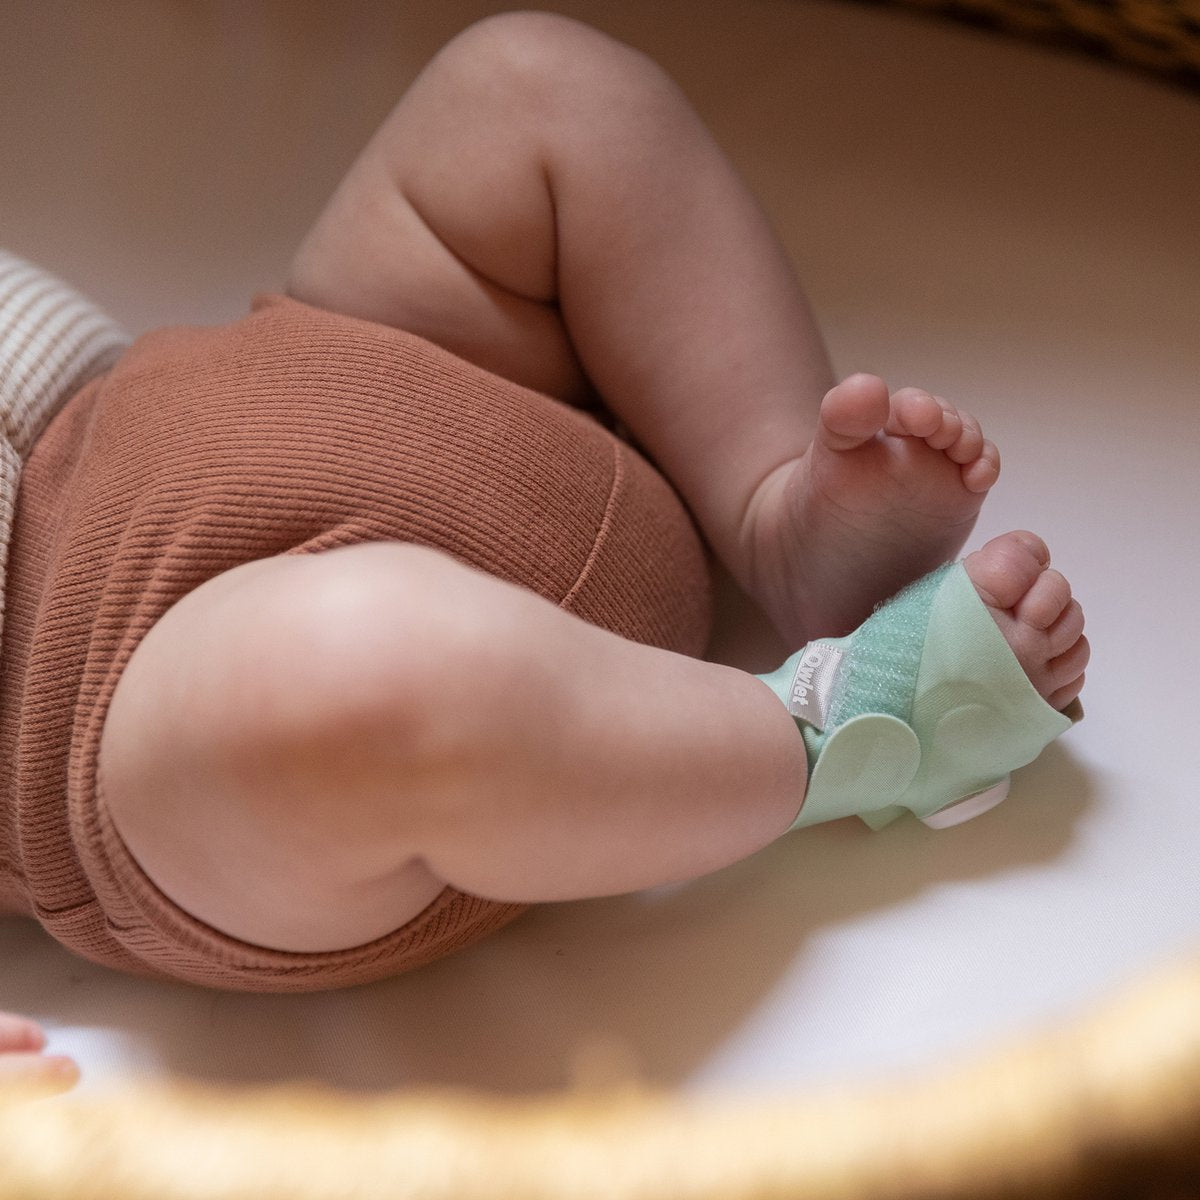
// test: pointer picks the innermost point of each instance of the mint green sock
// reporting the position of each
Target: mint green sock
(923, 708)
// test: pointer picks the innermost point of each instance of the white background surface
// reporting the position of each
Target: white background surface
(1000, 223)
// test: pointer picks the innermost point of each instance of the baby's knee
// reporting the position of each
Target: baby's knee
(284, 687)
(548, 59)
(406, 645)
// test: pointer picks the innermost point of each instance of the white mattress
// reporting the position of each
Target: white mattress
(1005, 225)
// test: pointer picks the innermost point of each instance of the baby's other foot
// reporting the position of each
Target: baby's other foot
(889, 489)
(1032, 605)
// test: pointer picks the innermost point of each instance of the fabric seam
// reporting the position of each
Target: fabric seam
(602, 532)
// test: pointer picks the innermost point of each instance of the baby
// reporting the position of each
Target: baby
(338, 636)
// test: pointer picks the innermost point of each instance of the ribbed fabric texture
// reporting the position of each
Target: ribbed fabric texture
(292, 430)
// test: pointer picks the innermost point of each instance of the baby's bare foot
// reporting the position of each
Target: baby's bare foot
(1033, 607)
(888, 490)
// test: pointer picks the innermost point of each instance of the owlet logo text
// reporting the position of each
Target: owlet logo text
(812, 685)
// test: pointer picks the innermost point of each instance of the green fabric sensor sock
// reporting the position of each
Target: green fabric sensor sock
(923, 708)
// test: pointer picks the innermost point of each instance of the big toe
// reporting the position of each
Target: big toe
(854, 411)
(1007, 567)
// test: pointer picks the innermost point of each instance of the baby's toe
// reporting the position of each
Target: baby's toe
(969, 444)
(1006, 568)
(1063, 696)
(1034, 610)
(1045, 601)
(853, 412)
(949, 430)
(981, 475)
(915, 413)
(1067, 630)
(1067, 668)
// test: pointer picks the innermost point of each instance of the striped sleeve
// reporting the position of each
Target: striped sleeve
(52, 341)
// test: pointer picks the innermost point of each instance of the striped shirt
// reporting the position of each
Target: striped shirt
(52, 341)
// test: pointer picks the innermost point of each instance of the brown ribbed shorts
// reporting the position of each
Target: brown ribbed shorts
(290, 431)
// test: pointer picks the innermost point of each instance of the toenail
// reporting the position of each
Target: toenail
(1032, 542)
(865, 379)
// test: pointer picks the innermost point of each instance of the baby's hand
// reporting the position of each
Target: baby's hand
(22, 1061)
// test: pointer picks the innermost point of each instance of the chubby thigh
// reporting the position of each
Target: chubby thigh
(247, 750)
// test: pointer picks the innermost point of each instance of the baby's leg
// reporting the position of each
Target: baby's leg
(441, 726)
(544, 201)
(444, 725)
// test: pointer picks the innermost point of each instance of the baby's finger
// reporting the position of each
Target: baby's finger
(42, 1073)
(19, 1033)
